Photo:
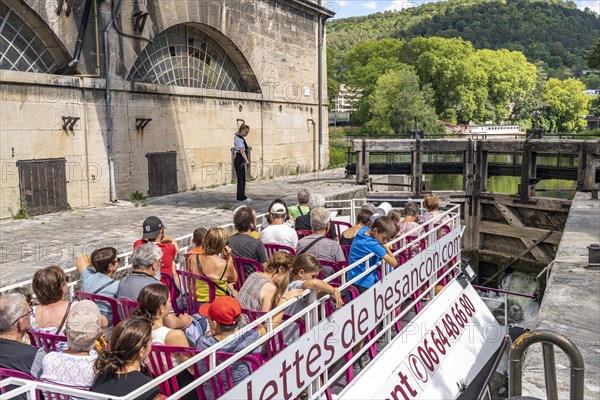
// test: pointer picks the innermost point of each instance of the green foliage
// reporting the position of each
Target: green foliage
(565, 105)
(553, 32)
(594, 107)
(137, 198)
(397, 101)
(23, 212)
(593, 56)
(591, 81)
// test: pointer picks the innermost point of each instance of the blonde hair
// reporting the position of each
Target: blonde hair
(215, 241)
(280, 262)
(431, 202)
(241, 128)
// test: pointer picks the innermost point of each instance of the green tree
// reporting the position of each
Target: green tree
(396, 101)
(450, 67)
(365, 63)
(510, 79)
(593, 56)
(565, 104)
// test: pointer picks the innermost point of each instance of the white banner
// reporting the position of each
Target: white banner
(445, 345)
(292, 370)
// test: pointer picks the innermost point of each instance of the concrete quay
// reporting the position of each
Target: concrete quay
(28, 245)
(571, 304)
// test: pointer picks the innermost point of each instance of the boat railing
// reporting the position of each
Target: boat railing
(446, 247)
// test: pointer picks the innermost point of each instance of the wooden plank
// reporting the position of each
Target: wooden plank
(445, 145)
(514, 221)
(537, 203)
(504, 146)
(525, 233)
(515, 259)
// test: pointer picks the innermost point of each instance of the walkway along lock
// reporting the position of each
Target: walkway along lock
(548, 339)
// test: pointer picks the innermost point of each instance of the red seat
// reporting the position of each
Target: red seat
(340, 226)
(47, 341)
(273, 248)
(346, 248)
(245, 267)
(303, 232)
(121, 308)
(275, 342)
(188, 287)
(160, 361)
(348, 294)
(173, 292)
(335, 266)
(223, 382)
(11, 373)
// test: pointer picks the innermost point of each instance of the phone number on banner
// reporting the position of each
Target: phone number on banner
(427, 356)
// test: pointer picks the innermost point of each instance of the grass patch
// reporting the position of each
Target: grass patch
(22, 213)
(138, 198)
(225, 207)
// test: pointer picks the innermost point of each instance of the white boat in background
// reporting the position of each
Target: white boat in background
(485, 130)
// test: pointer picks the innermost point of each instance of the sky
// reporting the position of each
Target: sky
(354, 8)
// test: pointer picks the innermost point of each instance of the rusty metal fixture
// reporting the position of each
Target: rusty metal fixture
(547, 338)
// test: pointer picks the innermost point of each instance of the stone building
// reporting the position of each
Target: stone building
(102, 99)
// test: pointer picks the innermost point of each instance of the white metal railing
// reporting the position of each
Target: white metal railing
(309, 314)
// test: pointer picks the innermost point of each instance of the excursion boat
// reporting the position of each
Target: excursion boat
(421, 332)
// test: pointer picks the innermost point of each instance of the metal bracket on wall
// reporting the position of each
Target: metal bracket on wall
(69, 122)
(139, 21)
(60, 5)
(141, 123)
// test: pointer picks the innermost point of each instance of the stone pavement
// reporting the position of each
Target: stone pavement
(571, 304)
(27, 245)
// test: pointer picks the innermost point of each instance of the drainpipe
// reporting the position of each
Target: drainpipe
(320, 85)
(109, 121)
(80, 36)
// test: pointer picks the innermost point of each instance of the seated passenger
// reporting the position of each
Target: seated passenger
(154, 232)
(262, 290)
(197, 239)
(96, 276)
(410, 224)
(145, 262)
(242, 243)
(369, 241)
(363, 218)
(210, 264)
(302, 207)
(14, 323)
(154, 305)
(278, 231)
(302, 223)
(318, 244)
(118, 368)
(74, 366)
(305, 271)
(223, 317)
(50, 287)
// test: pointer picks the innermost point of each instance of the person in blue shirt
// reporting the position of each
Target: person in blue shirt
(97, 275)
(369, 241)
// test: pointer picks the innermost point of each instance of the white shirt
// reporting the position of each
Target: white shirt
(280, 234)
(70, 370)
(238, 144)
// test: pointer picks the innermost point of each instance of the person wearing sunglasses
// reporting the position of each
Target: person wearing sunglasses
(14, 323)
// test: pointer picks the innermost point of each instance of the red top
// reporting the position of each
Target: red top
(169, 253)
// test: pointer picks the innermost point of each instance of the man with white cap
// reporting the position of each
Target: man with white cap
(74, 366)
(278, 232)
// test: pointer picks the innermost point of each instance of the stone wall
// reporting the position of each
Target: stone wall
(276, 41)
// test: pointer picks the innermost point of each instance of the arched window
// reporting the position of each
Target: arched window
(20, 48)
(186, 56)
